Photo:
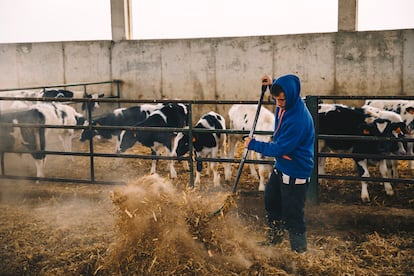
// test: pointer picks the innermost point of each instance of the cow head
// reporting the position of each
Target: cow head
(409, 118)
(59, 93)
(91, 105)
(80, 120)
(128, 139)
(181, 144)
(384, 128)
(90, 133)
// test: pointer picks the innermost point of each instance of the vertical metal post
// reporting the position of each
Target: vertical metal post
(2, 162)
(91, 152)
(118, 92)
(312, 104)
(190, 148)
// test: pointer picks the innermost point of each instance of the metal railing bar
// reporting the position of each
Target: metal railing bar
(66, 180)
(191, 129)
(399, 97)
(371, 179)
(62, 85)
(363, 138)
(365, 156)
(125, 100)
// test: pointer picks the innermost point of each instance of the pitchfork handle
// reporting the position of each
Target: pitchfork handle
(246, 150)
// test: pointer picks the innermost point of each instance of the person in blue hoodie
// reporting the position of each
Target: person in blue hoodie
(293, 150)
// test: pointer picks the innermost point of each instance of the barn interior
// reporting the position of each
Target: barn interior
(131, 223)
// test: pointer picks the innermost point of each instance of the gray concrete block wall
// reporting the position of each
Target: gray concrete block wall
(343, 63)
(30, 64)
(369, 63)
(408, 63)
(310, 56)
(86, 62)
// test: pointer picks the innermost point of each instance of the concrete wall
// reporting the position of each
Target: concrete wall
(343, 63)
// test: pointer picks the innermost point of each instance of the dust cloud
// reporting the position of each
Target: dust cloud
(164, 230)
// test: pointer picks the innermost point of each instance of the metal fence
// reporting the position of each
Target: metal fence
(311, 101)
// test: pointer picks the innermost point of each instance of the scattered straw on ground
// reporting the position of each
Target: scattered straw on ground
(165, 231)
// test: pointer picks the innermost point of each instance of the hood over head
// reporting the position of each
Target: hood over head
(290, 85)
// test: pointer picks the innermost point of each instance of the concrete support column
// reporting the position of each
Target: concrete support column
(121, 19)
(347, 15)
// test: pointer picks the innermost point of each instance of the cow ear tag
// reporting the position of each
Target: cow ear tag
(194, 140)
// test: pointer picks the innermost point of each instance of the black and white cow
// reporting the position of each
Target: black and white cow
(61, 93)
(406, 110)
(119, 117)
(90, 105)
(24, 138)
(35, 138)
(171, 115)
(18, 104)
(205, 144)
(397, 148)
(60, 114)
(241, 117)
(335, 119)
(6, 106)
(56, 93)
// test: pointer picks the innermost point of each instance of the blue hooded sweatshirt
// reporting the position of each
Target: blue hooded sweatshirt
(294, 135)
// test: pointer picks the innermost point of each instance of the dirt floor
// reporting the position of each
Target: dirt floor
(157, 226)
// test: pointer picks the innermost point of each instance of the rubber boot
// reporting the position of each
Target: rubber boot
(275, 233)
(298, 242)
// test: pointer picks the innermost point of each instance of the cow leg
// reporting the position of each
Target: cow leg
(213, 154)
(384, 173)
(392, 166)
(153, 167)
(40, 165)
(252, 168)
(321, 169)
(321, 165)
(216, 175)
(118, 151)
(223, 154)
(322, 160)
(199, 168)
(227, 170)
(208, 169)
(262, 171)
(186, 166)
(264, 174)
(66, 140)
(362, 167)
(197, 180)
(213, 167)
(154, 162)
(173, 173)
(231, 145)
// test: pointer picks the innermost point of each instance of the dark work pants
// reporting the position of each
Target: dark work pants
(286, 202)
